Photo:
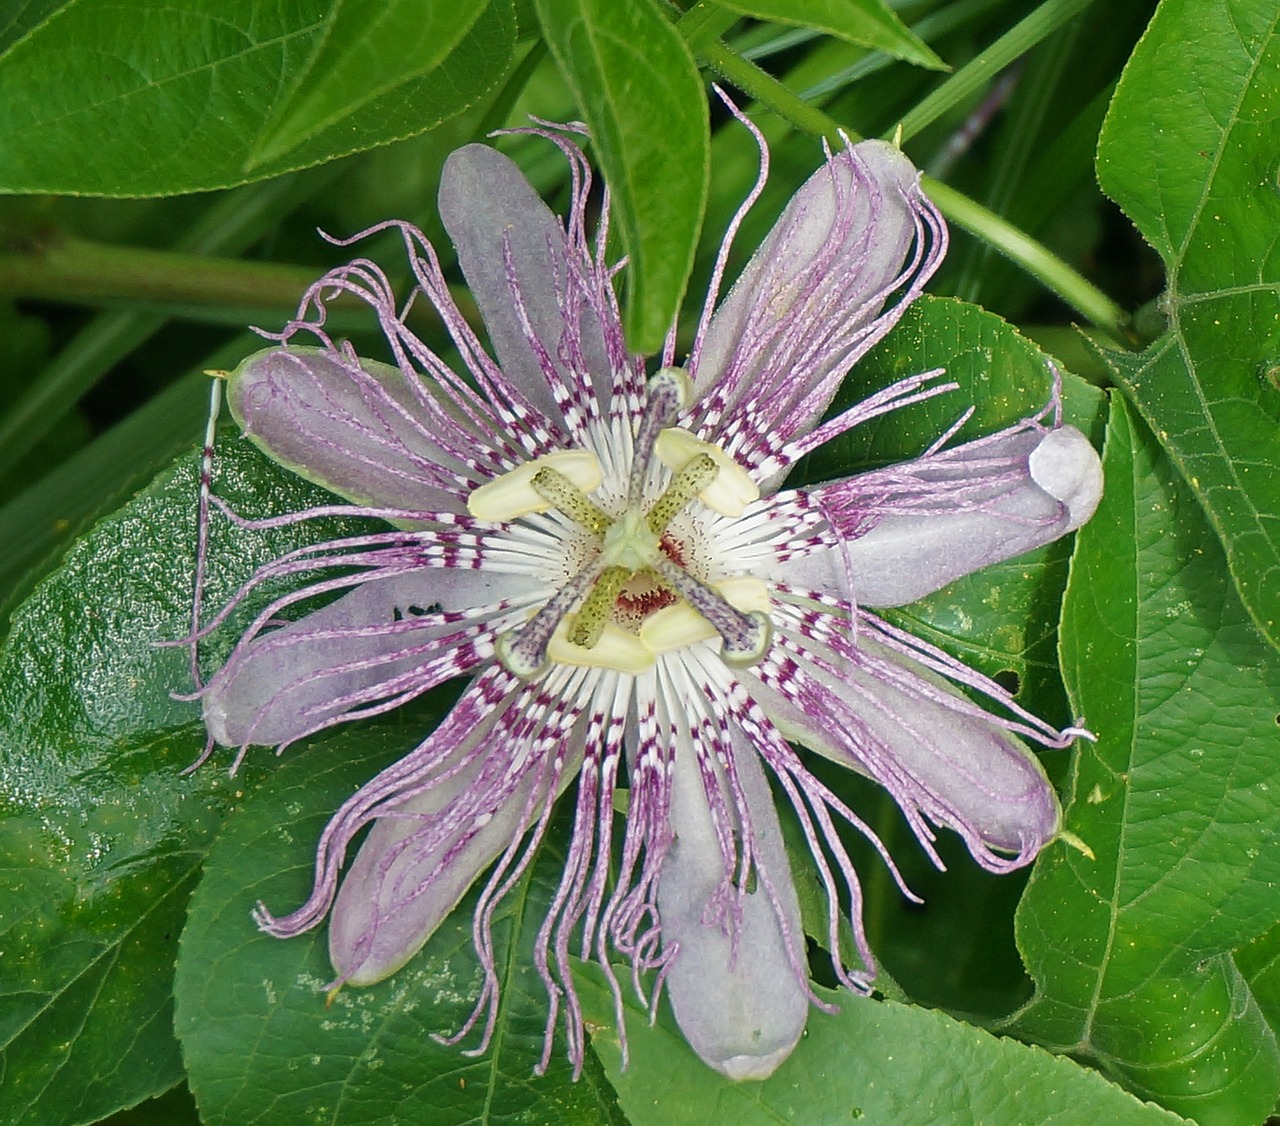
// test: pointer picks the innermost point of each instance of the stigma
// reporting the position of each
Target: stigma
(636, 593)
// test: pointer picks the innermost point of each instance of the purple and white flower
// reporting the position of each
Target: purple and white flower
(609, 555)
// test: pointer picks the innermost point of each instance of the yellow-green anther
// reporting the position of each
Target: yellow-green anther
(558, 491)
(593, 615)
(686, 485)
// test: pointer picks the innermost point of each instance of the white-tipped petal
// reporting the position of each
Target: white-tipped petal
(852, 249)
(290, 681)
(397, 890)
(515, 254)
(1068, 468)
(933, 751)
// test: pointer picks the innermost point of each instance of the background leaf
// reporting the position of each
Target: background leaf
(877, 1062)
(186, 92)
(100, 834)
(640, 94)
(870, 23)
(1179, 799)
(369, 48)
(1189, 151)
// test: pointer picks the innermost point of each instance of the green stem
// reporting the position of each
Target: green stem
(67, 268)
(1046, 267)
(1042, 264)
(768, 91)
(704, 23)
(979, 71)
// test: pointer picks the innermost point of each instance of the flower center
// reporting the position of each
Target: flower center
(637, 572)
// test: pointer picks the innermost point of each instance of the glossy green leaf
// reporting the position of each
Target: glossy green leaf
(369, 48)
(869, 23)
(639, 92)
(20, 16)
(369, 1055)
(1179, 801)
(101, 836)
(193, 96)
(1189, 151)
(877, 1062)
(1259, 962)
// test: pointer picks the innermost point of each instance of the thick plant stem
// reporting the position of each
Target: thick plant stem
(65, 268)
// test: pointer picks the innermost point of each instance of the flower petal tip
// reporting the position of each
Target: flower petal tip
(1068, 468)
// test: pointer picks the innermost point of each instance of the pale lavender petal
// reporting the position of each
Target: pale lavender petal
(940, 755)
(547, 306)
(380, 640)
(356, 429)
(422, 855)
(737, 998)
(911, 529)
(812, 299)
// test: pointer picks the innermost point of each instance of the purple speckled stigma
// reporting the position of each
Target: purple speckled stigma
(609, 558)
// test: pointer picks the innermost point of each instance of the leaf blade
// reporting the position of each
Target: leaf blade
(878, 1061)
(1187, 153)
(1131, 950)
(186, 92)
(396, 41)
(638, 89)
(868, 23)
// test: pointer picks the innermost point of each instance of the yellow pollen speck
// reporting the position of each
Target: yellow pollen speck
(729, 492)
(512, 495)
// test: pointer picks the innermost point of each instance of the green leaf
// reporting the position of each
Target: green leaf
(369, 48)
(1189, 151)
(639, 91)
(873, 1061)
(101, 835)
(1179, 800)
(194, 96)
(22, 15)
(869, 23)
(262, 1044)
(1259, 962)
